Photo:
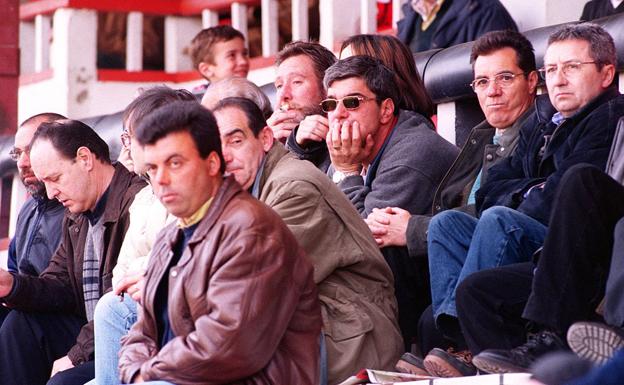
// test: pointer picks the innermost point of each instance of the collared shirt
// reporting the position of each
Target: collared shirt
(196, 217)
(94, 215)
(429, 18)
(255, 187)
(616, 3)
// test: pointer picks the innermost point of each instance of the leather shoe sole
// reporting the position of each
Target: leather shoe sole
(594, 341)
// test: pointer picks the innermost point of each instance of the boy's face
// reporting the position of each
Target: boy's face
(229, 59)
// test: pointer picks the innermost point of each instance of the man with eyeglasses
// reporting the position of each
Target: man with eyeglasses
(37, 233)
(360, 328)
(505, 83)
(382, 156)
(565, 282)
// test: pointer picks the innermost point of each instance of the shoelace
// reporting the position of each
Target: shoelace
(463, 355)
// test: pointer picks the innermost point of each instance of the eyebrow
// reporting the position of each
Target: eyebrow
(498, 73)
(233, 132)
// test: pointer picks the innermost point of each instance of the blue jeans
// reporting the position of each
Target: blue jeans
(112, 319)
(460, 244)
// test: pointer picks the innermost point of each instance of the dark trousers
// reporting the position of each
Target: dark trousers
(4, 312)
(411, 287)
(570, 275)
(572, 271)
(31, 342)
(447, 334)
(78, 375)
(614, 304)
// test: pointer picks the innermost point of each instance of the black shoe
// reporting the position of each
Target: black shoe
(595, 341)
(520, 358)
(449, 363)
(411, 364)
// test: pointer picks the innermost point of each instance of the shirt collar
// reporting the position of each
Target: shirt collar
(255, 187)
(94, 215)
(196, 217)
(557, 118)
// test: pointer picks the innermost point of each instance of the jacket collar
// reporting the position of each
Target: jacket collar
(229, 188)
(544, 110)
(604, 97)
(271, 159)
(119, 184)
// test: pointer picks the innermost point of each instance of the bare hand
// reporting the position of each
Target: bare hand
(347, 149)
(133, 284)
(313, 128)
(61, 364)
(283, 122)
(389, 226)
(6, 283)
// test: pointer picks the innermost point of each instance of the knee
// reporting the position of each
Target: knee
(497, 212)
(443, 220)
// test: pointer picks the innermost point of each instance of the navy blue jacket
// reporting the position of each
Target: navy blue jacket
(585, 137)
(465, 20)
(37, 236)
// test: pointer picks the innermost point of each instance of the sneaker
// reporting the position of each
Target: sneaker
(518, 359)
(595, 341)
(411, 364)
(449, 363)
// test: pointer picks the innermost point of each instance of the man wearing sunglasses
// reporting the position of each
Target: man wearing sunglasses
(382, 156)
(37, 232)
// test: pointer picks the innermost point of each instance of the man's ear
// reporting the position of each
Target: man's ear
(608, 73)
(214, 164)
(205, 69)
(85, 157)
(532, 79)
(266, 137)
(387, 111)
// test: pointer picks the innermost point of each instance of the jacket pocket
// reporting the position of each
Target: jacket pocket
(343, 318)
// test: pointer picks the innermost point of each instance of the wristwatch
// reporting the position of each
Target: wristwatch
(339, 175)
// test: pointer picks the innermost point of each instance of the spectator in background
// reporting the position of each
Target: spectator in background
(299, 83)
(37, 233)
(218, 53)
(237, 87)
(595, 9)
(430, 24)
(310, 144)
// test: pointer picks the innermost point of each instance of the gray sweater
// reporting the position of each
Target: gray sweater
(410, 167)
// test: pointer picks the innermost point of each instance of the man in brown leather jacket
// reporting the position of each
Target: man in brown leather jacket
(229, 296)
(51, 328)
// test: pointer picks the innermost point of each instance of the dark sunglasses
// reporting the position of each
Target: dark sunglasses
(349, 102)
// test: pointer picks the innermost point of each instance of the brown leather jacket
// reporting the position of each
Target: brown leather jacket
(242, 302)
(59, 287)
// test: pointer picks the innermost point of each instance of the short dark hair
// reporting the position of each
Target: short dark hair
(321, 57)
(202, 43)
(496, 40)
(149, 100)
(182, 116)
(601, 45)
(378, 78)
(43, 118)
(255, 119)
(68, 135)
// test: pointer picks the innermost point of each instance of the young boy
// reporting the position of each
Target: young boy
(219, 52)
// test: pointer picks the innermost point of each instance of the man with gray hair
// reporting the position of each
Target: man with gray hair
(579, 69)
(237, 87)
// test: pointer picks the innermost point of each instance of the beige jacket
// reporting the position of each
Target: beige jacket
(356, 287)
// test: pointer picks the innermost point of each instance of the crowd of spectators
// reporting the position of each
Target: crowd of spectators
(233, 243)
